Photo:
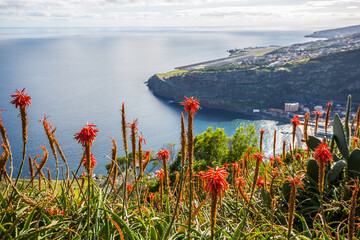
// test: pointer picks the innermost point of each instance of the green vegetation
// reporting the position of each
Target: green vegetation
(171, 74)
(298, 194)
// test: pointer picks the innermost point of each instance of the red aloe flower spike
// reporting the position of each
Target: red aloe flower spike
(163, 154)
(133, 125)
(216, 182)
(295, 121)
(329, 103)
(298, 156)
(87, 135)
(240, 182)
(191, 105)
(317, 113)
(215, 186)
(151, 197)
(142, 139)
(296, 181)
(21, 99)
(129, 187)
(322, 153)
(322, 156)
(260, 182)
(160, 174)
(93, 162)
(225, 166)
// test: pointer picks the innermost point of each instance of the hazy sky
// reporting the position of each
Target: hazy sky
(246, 14)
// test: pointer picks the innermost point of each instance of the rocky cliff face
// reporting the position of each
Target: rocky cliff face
(320, 79)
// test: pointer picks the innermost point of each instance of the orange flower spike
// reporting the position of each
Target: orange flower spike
(87, 135)
(296, 181)
(317, 113)
(240, 182)
(225, 166)
(216, 182)
(160, 174)
(260, 182)
(21, 99)
(278, 159)
(298, 156)
(163, 154)
(151, 197)
(142, 139)
(295, 121)
(191, 105)
(129, 187)
(93, 162)
(133, 125)
(322, 156)
(322, 153)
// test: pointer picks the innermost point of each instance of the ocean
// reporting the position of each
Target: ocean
(75, 75)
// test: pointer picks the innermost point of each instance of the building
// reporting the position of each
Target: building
(319, 108)
(291, 107)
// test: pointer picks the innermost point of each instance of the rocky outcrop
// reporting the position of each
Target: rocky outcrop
(330, 77)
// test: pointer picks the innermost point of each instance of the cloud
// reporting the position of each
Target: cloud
(261, 13)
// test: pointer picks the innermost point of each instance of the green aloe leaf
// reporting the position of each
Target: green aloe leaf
(313, 170)
(339, 136)
(354, 163)
(336, 169)
(313, 142)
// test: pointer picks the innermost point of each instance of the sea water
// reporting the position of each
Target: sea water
(75, 75)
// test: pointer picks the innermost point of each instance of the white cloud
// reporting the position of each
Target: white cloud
(245, 13)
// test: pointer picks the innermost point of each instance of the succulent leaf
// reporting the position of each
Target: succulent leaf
(339, 136)
(313, 170)
(336, 169)
(354, 163)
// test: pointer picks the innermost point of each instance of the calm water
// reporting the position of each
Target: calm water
(79, 75)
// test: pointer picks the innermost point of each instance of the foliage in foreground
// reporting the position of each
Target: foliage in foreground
(294, 195)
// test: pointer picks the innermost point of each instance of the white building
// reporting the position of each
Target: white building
(291, 107)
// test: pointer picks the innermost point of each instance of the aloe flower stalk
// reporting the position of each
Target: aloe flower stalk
(134, 130)
(274, 144)
(86, 137)
(353, 205)
(160, 175)
(140, 155)
(164, 155)
(284, 151)
(295, 122)
(294, 182)
(327, 117)
(305, 129)
(3, 159)
(215, 186)
(113, 167)
(48, 130)
(125, 144)
(317, 115)
(262, 131)
(49, 177)
(322, 156)
(6, 142)
(258, 157)
(22, 101)
(191, 106)
(31, 168)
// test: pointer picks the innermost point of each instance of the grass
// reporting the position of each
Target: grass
(171, 74)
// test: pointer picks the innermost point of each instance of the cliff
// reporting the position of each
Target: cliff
(241, 89)
(330, 33)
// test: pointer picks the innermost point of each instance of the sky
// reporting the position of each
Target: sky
(243, 14)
